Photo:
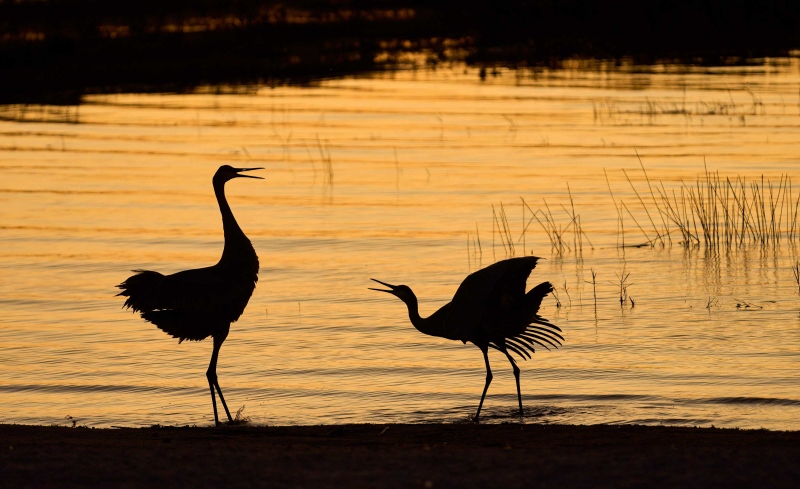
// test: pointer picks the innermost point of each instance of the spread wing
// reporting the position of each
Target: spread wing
(524, 329)
(489, 298)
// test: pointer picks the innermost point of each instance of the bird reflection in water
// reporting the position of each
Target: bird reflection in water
(195, 304)
(490, 309)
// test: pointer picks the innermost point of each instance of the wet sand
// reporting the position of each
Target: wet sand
(462, 455)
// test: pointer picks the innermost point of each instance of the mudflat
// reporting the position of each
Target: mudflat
(420, 455)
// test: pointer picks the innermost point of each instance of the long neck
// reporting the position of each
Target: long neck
(233, 233)
(431, 325)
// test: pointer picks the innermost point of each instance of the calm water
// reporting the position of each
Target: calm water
(389, 177)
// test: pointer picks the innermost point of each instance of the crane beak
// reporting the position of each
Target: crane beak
(392, 287)
(239, 170)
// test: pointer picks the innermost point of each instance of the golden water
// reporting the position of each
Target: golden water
(389, 176)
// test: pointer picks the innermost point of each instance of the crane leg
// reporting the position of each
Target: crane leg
(516, 376)
(211, 374)
(485, 350)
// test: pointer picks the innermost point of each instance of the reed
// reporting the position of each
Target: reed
(327, 161)
(558, 300)
(474, 249)
(566, 291)
(796, 272)
(714, 211)
(500, 222)
(718, 212)
(556, 231)
(622, 283)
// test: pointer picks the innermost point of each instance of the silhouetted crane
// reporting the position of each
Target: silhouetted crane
(195, 304)
(490, 309)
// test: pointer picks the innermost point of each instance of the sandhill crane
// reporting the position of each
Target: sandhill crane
(195, 304)
(490, 309)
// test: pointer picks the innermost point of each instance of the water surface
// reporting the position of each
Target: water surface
(394, 176)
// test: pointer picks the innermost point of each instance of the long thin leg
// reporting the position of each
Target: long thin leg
(224, 405)
(211, 374)
(485, 350)
(516, 376)
(213, 399)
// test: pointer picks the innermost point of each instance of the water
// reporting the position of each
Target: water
(389, 176)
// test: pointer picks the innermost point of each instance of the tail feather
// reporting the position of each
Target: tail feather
(519, 349)
(144, 295)
(140, 290)
(538, 331)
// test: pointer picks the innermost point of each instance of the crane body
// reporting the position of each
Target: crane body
(195, 304)
(490, 309)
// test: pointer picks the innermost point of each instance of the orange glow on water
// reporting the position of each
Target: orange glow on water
(385, 177)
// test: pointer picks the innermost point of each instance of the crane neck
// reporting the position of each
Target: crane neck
(234, 236)
(430, 326)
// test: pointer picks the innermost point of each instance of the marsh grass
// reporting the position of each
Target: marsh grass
(500, 224)
(474, 249)
(715, 212)
(622, 284)
(650, 109)
(327, 162)
(594, 288)
(558, 299)
(561, 234)
(59, 114)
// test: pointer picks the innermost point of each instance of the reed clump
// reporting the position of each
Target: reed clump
(623, 284)
(561, 234)
(717, 212)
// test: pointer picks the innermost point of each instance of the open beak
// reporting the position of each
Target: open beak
(240, 170)
(392, 287)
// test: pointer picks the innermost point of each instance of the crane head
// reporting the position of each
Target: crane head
(227, 172)
(402, 292)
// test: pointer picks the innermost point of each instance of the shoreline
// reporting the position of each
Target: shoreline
(399, 455)
(59, 53)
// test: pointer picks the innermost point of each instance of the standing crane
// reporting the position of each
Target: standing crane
(490, 309)
(195, 304)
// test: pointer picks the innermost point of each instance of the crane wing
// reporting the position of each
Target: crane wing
(191, 304)
(206, 290)
(487, 297)
(523, 329)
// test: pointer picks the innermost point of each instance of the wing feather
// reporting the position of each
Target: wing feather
(192, 304)
(486, 295)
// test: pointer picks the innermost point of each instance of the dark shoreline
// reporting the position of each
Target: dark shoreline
(425, 455)
(54, 51)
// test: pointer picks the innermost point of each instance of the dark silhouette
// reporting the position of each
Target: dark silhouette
(58, 50)
(490, 309)
(195, 304)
